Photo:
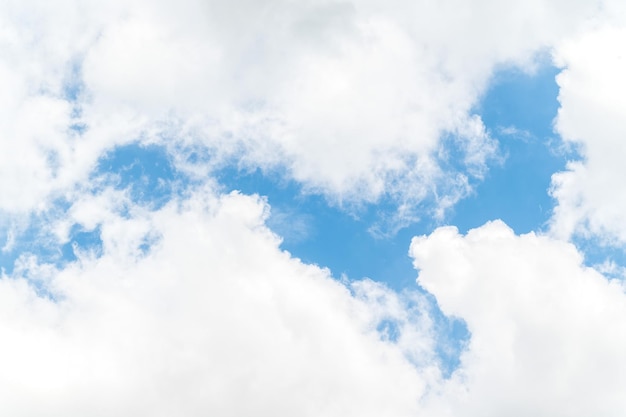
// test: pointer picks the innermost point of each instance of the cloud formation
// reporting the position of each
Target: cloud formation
(215, 319)
(190, 307)
(350, 99)
(547, 333)
(589, 194)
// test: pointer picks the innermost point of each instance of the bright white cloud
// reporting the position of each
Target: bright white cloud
(548, 334)
(591, 195)
(215, 319)
(351, 98)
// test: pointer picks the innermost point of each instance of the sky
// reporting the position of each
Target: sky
(312, 208)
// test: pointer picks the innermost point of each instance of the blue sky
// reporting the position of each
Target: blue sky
(312, 208)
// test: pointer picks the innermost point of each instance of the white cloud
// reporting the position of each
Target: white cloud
(351, 98)
(547, 334)
(590, 193)
(215, 319)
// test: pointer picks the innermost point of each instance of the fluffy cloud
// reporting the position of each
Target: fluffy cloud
(590, 194)
(351, 99)
(214, 319)
(547, 334)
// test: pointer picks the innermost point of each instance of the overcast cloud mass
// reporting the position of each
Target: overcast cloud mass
(136, 282)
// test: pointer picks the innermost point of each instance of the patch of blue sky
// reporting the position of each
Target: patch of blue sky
(39, 241)
(31, 238)
(518, 110)
(451, 334)
(452, 339)
(389, 330)
(73, 88)
(7, 261)
(73, 85)
(146, 172)
(82, 241)
(322, 234)
(607, 257)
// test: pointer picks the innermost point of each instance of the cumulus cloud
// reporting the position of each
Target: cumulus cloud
(214, 319)
(351, 99)
(590, 193)
(547, 333)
